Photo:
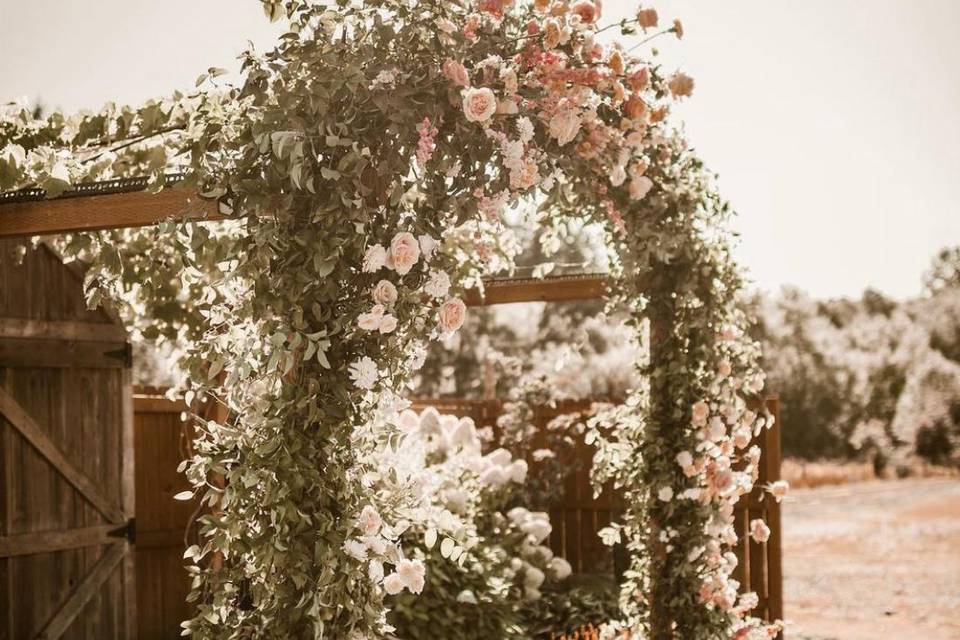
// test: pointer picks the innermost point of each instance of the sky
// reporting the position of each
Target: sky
(834, 124)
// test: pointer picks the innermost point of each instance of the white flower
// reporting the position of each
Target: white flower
(618, 175)
(427, 246)
(538, 527)
(494, 476)
(525, 129)
(374, 259)
(364, 373)
(370, 521)
(385, 293)
(371, 321)
(375, 571)
(479, 104)
(412, 573)
(517, 471)
(564, 125)
(355, 549)
(438, 285)
(665, 494)
(404, 252)
(561, 568)
(779, 489)
(533, 577)
(393, 584)
(684, 459)
(640, 187)
(759, 530)
(388, 323)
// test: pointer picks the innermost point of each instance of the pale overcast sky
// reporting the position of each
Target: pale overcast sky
(834, 124)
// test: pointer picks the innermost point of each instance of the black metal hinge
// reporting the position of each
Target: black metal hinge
(124, 355)
(128, 531)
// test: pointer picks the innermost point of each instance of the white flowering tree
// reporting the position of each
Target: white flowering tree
(368, 161)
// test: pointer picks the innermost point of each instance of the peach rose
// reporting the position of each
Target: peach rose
(700, 412)
(456, 72)
(639, 80)
(615, 62)
(551, 34)
(587, 11)
(385, 293)
(404, 252)
(452, 314)
(681, 85)
(479, 104)
(647, 18)
(564, 125)
(759, 530)
(635, 107)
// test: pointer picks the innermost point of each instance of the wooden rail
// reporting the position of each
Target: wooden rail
(109, 211)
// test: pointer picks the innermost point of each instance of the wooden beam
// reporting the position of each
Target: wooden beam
(72, 606)
(29, 429)
(46, 541)
(62, 354)
(15, 328)
(110, 211)
(549, 289)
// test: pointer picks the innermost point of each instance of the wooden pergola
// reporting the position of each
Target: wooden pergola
(93, 210)
(120, 205)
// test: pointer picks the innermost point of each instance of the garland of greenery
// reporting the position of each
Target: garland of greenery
(368, 160)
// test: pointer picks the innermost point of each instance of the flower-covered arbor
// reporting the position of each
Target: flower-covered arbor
(368, 163)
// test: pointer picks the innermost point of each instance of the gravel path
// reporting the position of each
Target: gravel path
(873, 561)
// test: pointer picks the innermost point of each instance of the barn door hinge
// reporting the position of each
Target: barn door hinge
(128, 531)
(124, 355)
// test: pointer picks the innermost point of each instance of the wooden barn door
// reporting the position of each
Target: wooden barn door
(66, 459)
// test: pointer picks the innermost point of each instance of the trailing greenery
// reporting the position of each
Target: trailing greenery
(369, 161)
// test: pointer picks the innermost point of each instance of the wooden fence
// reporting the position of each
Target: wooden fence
(163, 524)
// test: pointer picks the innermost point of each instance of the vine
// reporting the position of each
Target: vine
(368, 161)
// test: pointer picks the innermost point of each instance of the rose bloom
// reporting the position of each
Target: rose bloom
(564, 125)
(647, 18)
(452, 314)
(456, 72)
(615, 62)
(640, 187)
(587, 11)
(551, 34)
(635, 107)
(412, 574)
(700, 412)
(639, 79)
(479, 104)
(388, 323)
(371, 321)
(678, 28)
(404, 252)
(385, 293)
(393, 584)
(374, 259)
(370, 521)
(681, 85)
(779, 489)
(759, 530)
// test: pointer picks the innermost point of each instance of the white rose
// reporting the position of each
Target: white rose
(404, 252)
(479, 104)
(374, 259)
(385, 293)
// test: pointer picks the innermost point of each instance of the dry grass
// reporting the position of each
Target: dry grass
(802, 474)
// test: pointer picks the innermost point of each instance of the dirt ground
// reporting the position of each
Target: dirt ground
(873, 561)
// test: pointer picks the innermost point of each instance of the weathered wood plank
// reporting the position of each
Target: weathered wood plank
(30, 430)
(33, 353)
(548, 289)
(113, 211)
(47, 541)
(19, 328)
(82, 594)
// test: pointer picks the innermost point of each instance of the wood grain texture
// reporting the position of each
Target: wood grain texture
(47, 541)
(19, 328)
(112, 211)
(548, 289)
(98, 574)
(29, 429)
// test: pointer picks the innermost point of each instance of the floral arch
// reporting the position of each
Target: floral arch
(368, 162)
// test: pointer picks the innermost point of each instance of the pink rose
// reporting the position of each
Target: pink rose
(479, 104)
(452, 314)
(759, 530)
(385, 293)
(700, 412)
(404, 252)
(371, 321)
(456, 72)
(388, 324)
(681, 85)
(647, 18)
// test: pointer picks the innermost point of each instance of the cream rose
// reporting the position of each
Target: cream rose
(456, 72)
(479, 104)
(452, 314)
(565, 125)
(385, 293)
(404, 252)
